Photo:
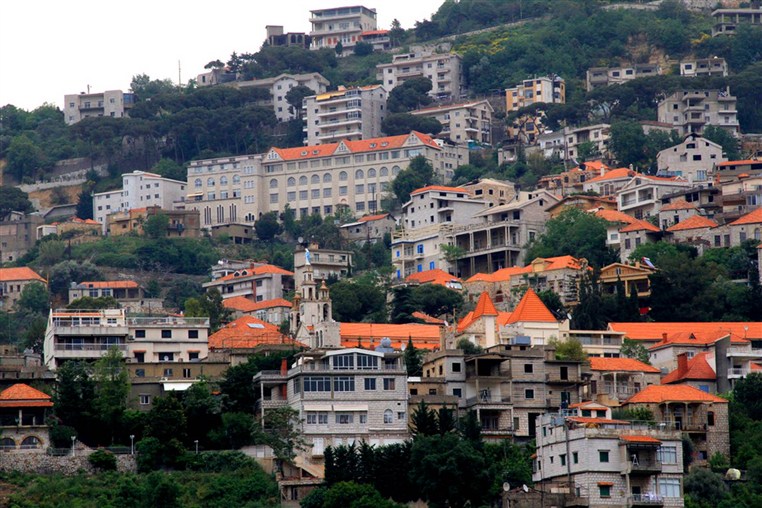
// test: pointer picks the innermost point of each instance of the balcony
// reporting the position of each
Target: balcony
(645, 500)
(90, 330)
(644, 467)
(488, 399)
(738, 372)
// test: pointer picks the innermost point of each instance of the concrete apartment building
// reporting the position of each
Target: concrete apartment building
(615, 380)
(279, 86)
(113, 103)
(276, 36)
(139, 190)
(564, 143)
(257, 282)
(494, 192)
(690, 111)
(350, 114)
(442, 69)
(741, 197)
(548, 89)
(167, 339)
(323, 263)
(703, 67)
(605, 76)
(18, 233)
(641, 196)
(343, 25)
(13, 281)
(370, 228)
(693, 159)
(608, 463)
(181, 223)
(464, 122)
(726, 21)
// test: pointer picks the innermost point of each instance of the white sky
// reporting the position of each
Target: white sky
(49, 48)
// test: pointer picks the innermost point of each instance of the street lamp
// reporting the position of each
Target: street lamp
(73, 439)
(132, 444)
(196, 441)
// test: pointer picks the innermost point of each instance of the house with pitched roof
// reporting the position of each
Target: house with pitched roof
(609, 183)
(617, 379)
(602, 462)
(676, 211)
(572, 181)
(746, 227)
(582, 202)
(635, 234)
(628, 273)
(369, 228)
(701, 416)
(13, 281)
(435, 276)
(273, 311)
(641, 196)
(258, 282)
(248, 332)
(694, 158)
(23, 419)
(651, 333)
(740, 195)
(696, 231)
(695, 371)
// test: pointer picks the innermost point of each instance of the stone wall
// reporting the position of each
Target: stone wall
(32, 461)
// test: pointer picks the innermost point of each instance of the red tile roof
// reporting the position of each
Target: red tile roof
(658, 394)
(441, 188)
(369, 335)
(21, 395)
(639, 225)
(19, 274)
(113, 284)
(429, 320)
(502, 275)
(505, 274)
(615, 216)
(693, 222)
(639, 439)
(679, 204)
(247, 332)
(254, 270)
(484, 307)
(697, 369)
(365, 145)
(613, 174)
(753, 217)
(589, 420)
(371, 218)
(435, 276)
(243, 304)
(531, 309)
(738, 163)
(654, 331)
(621, 365)
(701, 338)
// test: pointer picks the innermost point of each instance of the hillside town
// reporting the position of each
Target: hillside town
(401, 287)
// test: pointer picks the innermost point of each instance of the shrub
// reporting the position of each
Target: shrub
(102, 460)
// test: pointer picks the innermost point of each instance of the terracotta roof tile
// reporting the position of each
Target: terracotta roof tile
(441, 188)
(738, 163)
(21, 273)
(484, 307)
(679, 204)
(753, 217)
(693, 222)
(615, 216)
(698, 369)
(589, 420)
(620, 365)
(22, 395)
(254, 270)
(365, 145)
(435, 276)
(247, 332)
(243, 304)
(657, 394)
(371, 218)
(613, 174)
(369, 335)
(502, 275)
(639, 439)
(531, 309)
(429, 320)
(639, 225)
(654, 331)
(699, 338)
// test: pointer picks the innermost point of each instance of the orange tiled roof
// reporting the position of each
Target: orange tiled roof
(429, 320)
(613, 174)
(247, 332)
(753, 217)
(22, 395)
(703, 338)
(484, 307)
(21, 273)
(654, 331)
(658, 394)
(254, 270)
(621, 365)
(114, 284)
(693, 222)
(697, 368)
(365, 145)
(369, 335)
(738, 163)
(243, 304)
(593, 165)
(615, 216)
(587, 419)
(375, 32)
(442, 188)
(586, 403)
(435, 276)
(679, 204)
(502, 275)
(639, 439)
(639, 225)
(371, 218)
(561, 262)
(531, 309)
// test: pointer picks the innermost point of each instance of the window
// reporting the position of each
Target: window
(344, 384)
(344, 418)
(388, 383)
(529, 394)
(145, 399)
(323, 418)
(400, 415)
(168, 372)
(458, 392)
(343, 362)
(575, 458)
(370, 383)
(604, 490)
(388, 416)
(667, 455)
(563, 459)
(367, 362)
(193, 334)
(311, 418)
(140, 334)
(140, 373)
(603, 455)
(166, 334)
(456, 367)
(528, 368)
(317, 384)
(669, 487)
(363, 417)
(342, 176)
(186, 373)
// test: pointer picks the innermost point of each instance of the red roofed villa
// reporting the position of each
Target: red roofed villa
(23, 411)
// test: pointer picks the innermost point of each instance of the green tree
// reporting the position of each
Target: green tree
(588, 314)
(363, 49)
(34, 299)
(423, 421)
(168, 168)
(418, 174)
(166, 420)
(410, 95)
(628, 142)
(236, 383)
(295, 96)
(705, 488)
(570, 349)
(90, 303)
(553, 302)
(396, 124)
(146, 88)
(281, 432)
(180, 291)
(413, 359)
(268, 227)
(748, 394)
(728, 142)
(112, 385)
(13, 199)
(469, 347)
(156, 226)
(403, 306)
(51, 252)
(436, 300)
(64, 273)
(210, 305)
(24, 158)
(236, 430)
(634, 349)
(74, 399)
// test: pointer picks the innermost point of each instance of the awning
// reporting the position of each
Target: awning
(176, 387)
(195, 194)
(317, 407)
(605, 484)
(350, 408)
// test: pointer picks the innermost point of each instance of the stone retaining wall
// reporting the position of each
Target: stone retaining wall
(42, 463)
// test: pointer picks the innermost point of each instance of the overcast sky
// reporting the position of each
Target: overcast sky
(49, 48)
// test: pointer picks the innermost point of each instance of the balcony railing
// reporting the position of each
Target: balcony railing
(489, 399)
(645, 500)
(89, 347)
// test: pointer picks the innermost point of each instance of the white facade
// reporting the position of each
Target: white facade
(641, 196)
(343, 25)
(470, 121)
(442, 69)
(693, 159)
(604, 76)
(279, 86)
(690, 111)
(113, 103)
(139, 190)
(548, 90)
(347, 114)
(565, 142)
(704, 67)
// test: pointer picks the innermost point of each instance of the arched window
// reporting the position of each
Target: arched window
(371, 173)
(327, 178)
(291, 181)
(315, 179)
(343, 176)
(210, 182)
(388, 416)
(197, 183)
(30, 443)
(7, 443)
(395, 170)
(223, 180)
(274, 183)
(302, 180)
(236, 179)
(384, 171)
(359, 174)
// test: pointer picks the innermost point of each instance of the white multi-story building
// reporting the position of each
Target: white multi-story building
(690, 111)
(279, 86)
(714, 66)
(346, 114)
(641, 196)
(693, 159)
(343, 25)
(565, 142)
(727, 20)
(548, 90)
(604, 76)
(464, 122)
(113, 103)
(442, 69)
(139, 190)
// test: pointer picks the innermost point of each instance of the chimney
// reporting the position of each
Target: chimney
(682, 362)
(664, 336)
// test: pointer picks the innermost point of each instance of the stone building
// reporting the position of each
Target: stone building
(18, 233)
(23, 419)
(442, 69)
(463, 122)
(113, 103)
(349, 114)
(13, 281)
(341, 25)
(690, 111)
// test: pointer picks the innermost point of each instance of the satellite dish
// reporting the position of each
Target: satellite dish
(525, 488)
(506, 487)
